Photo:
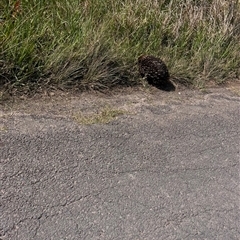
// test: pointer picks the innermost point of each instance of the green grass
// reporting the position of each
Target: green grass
(94, 44)
(104, 116)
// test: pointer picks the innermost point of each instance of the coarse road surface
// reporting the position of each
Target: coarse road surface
(167, 168)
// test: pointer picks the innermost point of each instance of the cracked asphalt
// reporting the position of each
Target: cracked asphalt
(167, 169)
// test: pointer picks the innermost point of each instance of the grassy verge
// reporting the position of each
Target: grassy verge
(94, 44)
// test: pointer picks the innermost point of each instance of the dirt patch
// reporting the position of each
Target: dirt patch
(233, 87)
(124, 100)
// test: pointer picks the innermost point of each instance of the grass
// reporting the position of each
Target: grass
(105, 115)
(94, 44)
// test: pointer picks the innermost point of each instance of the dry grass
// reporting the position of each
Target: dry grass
(93, 44)
(104, 116)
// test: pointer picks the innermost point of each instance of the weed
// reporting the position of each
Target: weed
(106, 115)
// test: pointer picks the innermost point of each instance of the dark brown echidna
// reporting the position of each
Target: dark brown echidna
(155, 71)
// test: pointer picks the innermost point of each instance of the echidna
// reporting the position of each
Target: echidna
(155, 71)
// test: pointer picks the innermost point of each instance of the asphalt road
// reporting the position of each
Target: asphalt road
(167, 169)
